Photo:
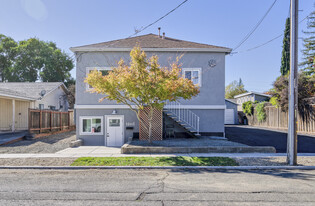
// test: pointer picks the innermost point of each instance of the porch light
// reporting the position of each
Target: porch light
(114, 111)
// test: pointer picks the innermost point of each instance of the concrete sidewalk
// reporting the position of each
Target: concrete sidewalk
(232, 155)
(101, 151)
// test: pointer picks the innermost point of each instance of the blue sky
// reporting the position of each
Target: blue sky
(218, 22)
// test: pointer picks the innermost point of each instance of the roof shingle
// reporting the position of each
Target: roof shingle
(149, 41)
(28, 89)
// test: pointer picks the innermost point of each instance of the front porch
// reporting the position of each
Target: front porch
(14, 114)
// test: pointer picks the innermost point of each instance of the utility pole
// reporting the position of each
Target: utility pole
(293, 86)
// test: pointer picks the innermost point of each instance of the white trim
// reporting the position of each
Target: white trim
(88, 69)
(121, 106)
(13, 115)
(194, 69)
(16, 97)
(90, 117)
(93, 49)
(123, 127)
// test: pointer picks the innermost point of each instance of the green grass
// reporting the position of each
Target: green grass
(154, 161)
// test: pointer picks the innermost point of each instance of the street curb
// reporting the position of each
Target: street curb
(163, 167)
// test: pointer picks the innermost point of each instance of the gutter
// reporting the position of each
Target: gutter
(163, 167)
(17, 97)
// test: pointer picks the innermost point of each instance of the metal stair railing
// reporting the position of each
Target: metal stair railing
(184, 115)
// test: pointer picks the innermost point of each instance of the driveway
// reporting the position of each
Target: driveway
(255, 136)
(49, 144)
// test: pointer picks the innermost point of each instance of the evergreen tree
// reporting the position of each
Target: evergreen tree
(285, 59)
(309, 47)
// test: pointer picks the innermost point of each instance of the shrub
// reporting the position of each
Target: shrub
(248, 108)
(260, 111)
(274, 101)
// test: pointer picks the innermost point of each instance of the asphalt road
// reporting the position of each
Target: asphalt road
(157, 187)
(254, 136)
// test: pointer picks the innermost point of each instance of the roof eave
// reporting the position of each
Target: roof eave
(61, 84)
(93, 49)
(17, 97)
(248, 93)
(231, 101)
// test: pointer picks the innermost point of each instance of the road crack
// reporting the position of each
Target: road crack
(158, 184)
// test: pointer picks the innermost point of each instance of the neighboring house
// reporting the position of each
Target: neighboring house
(250, 96)
(108, 123)
(230, 116)
(17, 97)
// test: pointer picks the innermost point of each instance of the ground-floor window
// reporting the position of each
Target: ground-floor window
(91, 125)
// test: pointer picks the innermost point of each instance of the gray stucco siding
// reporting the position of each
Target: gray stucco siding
(211, 121)
(213, 78)
(99, 140)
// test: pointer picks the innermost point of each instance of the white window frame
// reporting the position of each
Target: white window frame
(191, 70)
(91, 117)
(88, 69)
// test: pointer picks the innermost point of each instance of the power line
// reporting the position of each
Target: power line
(256, 26)
(143, 28)
(267, 42)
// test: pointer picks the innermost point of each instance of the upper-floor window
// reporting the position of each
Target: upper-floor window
(193, 74)
(103, 70)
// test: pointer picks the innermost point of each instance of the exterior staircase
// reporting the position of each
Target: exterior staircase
(184, 117)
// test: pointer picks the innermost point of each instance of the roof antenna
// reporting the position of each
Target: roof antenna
(159, 32)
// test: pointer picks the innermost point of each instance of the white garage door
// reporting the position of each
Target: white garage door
(229, 116)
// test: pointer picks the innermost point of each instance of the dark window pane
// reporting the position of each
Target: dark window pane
(188, 75)
(86, 125)
(96, 125)
(104, 72)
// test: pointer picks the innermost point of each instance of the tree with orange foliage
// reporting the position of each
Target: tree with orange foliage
(143, 83)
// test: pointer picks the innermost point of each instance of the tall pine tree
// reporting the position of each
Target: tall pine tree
(285, 59)
(309, 47)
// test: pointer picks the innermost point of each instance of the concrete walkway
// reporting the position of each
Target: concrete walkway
(101, 151)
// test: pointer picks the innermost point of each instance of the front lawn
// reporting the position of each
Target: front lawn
(154, 161)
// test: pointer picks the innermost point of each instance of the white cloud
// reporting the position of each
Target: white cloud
(35, 9)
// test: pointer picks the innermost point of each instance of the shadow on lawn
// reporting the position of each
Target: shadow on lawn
(198, 161)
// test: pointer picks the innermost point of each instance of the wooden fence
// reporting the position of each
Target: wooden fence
(275, 118)
(44, 121)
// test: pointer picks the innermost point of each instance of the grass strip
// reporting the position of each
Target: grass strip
(154, 161)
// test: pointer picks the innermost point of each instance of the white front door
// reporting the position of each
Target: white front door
(114, 131)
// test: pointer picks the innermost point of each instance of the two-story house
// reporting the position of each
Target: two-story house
(108, 123)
